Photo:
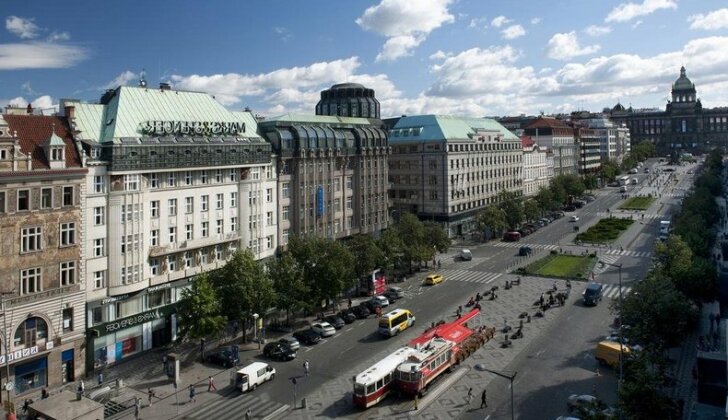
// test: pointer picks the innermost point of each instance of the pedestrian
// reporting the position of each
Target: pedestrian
(81, 387)
(483, 402)
(416, 401)
(717, 320)
(470, 395)
(192, 394)
(305, 367)
(165, 364)
(710, 316)
(349, 303)
(211, 384)
(150, 395)
(137, 407)
(248, 414)
(44, 393)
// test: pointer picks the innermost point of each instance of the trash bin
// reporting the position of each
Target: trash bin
(304, 403)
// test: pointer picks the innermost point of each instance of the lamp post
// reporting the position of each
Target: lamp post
(8, 385)
(621, 337)
(481, 367)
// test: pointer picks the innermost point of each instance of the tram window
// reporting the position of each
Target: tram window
(370, 389)
(380, 383)
(388, 378)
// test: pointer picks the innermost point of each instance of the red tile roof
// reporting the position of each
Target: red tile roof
(546, 123)
(527, 141)
(33, 132)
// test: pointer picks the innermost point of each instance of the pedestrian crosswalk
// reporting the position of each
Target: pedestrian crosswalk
(629, 253)
(468, 276)
(609, 259)
(618, 213)
(520, 244)
(233, 405)
(611, 291)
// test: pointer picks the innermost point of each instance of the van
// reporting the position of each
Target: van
(434, 279)
(512, 237)
(466, 255)
(634, 181)
(607, 353)
(592, 294)
(256, 373)
(623, 188)
(396, 321)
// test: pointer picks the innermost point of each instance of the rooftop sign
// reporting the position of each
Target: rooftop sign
(192, 128)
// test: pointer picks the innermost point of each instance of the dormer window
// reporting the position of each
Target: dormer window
(56, 153)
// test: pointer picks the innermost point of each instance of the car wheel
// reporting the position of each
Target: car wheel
(272, 376)
(254, 387)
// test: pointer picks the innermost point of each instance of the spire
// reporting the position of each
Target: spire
(143, 79)
(682, 71)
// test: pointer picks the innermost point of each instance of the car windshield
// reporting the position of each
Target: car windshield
(590, 292)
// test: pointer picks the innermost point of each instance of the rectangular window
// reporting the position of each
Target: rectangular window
(203, 177)
(205, 229)
(23, 200)
(188, 259)
(172, 263)
(348, 203)
(154, 209)
(154, 181)
(218, 226)
(233, 199)
(99, 184)
(269, 218)
(189, 205)
(285, 236)
(99, 248)
(172, 206)
(188, 232)
(2, 202)
(68, 273)
(172, 235)
(285, 190)
(154, 266)
(131, 182)
(233, 224)
(67, 319)
(233, 175)
(30, 281)
(253, 198)
(46, 198)
(255, 172)
(218, 252)
(204, 202)
(67, 196)
(97, 315)
(99, 279)
(188, 177)
(349, 183)
(172, 179)
(218, 175)
(68, 234)
(269, 241)
(218, 201)
(337, 184)
(286, 212)
(31, 239)
(337, 204)
(154, 237)
(269, 195)
(99, 216)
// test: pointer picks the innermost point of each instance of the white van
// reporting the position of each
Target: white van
(466, 255)
(249, 377)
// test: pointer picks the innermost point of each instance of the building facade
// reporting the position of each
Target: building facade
(590, 160)
(538, 167)
(42, 286)
(684, 125)
(176, 184)
(558, 138)
(447, 169)
(332, 174)
(348, 100)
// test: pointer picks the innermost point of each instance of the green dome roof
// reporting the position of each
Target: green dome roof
(682, 82)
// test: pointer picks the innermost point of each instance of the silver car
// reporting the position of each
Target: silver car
(291, 342)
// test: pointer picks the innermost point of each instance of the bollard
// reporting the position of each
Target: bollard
(101, 378)
(304, 403)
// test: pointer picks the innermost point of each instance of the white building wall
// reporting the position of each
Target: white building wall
(92, 263)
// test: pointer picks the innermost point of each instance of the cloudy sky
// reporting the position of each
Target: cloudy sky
(467, 57)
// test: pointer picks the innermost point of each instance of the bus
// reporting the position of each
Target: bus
(624, 180)
(396, 321)
(372, 385)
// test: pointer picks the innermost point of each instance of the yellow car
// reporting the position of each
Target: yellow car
(434, 279)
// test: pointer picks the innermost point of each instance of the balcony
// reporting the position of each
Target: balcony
(156, 251)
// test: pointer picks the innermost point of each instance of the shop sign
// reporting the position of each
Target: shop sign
(19, 354)
(199, 128)
(115, 299)
(160, 287)
(132, 321)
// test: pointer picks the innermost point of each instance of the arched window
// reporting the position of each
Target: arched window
(30, 331)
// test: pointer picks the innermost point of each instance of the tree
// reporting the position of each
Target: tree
(390, 244)
(367, 255)
(546, 200)
(531, 210)
(609, 171)
(412, 233)
(640, 396)
(492, 217)
(512, 206)
(436, 238)
(198, 310)
(642, 150)
(675, 256)
(290, 289)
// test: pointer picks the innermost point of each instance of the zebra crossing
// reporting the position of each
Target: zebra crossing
(609, 259)
(471, 276)
(618, 213)
(519, 245)
(611, 291)
(628, 253)
(233, 405)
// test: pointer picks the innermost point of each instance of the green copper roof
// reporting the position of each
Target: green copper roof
(131, 107)
(682, 82)
(444, 127)
(317, 119)
(54, 140)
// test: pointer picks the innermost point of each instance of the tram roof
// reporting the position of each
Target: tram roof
(384, 366)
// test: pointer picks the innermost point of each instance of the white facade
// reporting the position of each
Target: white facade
(538, 169)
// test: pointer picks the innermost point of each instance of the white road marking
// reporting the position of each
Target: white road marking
(349, 329)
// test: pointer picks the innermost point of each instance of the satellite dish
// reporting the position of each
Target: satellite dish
(9, 386)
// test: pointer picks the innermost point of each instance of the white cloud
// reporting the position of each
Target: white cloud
(439, 55)
(595, 30)
(478, 23)
(406, 24)
(24, 28)
(283, 33)
(27, 88)
(628, 11)
(18, 102)
(717, 19)
(499, 21)
(39, 55)
(122, 79)
(535, 21)
(636, 24)
(563, 46)
(513, 32)
(58, 36)
(42, 103)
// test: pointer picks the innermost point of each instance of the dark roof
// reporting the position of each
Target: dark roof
(347, 86)
(33, 132)
(546, 123)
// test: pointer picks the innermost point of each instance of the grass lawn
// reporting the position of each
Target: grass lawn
(562, 266)
(637, 203)
(605, 231)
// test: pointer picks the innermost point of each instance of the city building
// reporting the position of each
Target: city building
(332, 174)
(517, 124)
(558, 138)
(590, 160)
(538, 167)
(348, 100)
(176, 184)
(41, 236)
(684, 125)
(447, 169)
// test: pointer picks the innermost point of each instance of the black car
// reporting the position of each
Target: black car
(279, 351)
(570, 207)
(347, 315)
(361, 311)
(525, 251)
(307, 336)
(223, 356)
(335, 321)
(592, 294)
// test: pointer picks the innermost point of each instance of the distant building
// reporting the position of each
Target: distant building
(590, 160)
(348, 100)
(447, 169)
(538, 167)
(684, 125)
(516, 125)
(558, 138)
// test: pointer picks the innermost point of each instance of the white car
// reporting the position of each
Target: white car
(574, 218)
(575, 401)
(324, 329)
(381, 301)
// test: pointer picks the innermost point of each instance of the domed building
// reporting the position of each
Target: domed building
(348, 100)
(684, 125)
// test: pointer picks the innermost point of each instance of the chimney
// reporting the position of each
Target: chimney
(164, 86)
(30, 109)
(70, 112)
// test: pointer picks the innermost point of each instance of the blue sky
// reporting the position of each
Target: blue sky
(467, 57)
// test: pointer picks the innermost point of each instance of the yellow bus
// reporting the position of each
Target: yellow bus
(391, 323)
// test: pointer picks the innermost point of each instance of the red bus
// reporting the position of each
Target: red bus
(372, 385)
(373, 285)
(425, 365)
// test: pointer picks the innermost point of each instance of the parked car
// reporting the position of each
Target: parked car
(394, 293)
(569, 207)
(579, 204)
(291, 342)
(588, 198)
(307, 336)
(347, 315)
(613, 184)
(558, 214)
(335, 321)
(633, 171)
(380, 300)
(279, 351)
(525, 251)
(361, 311)
(574, 218)
(222, 356)
(575, 401)
(324, 329)
(512, 236)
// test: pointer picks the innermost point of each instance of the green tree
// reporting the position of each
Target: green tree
(675, 256)
(436, 237)
(512, 206)
(640, 396)
(546, 200)
(609, 171)
(531, 210)
(494, 218)
(390, 243)
(642, 150)
(290, 290)
(412, 233)
(367, 255)
(198, 310)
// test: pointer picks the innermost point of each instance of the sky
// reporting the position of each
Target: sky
(462, 57)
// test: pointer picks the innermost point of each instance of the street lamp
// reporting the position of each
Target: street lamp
(481, 367)
(621, 337)
(8, 385)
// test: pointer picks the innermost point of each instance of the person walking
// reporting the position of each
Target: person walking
(483, 402)
(305, 367)
(192, 394)
(469, 397)
(416, 401)
(137, 407)
(165, 364)
(248, 414)
(150, 395)
(211, 384)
